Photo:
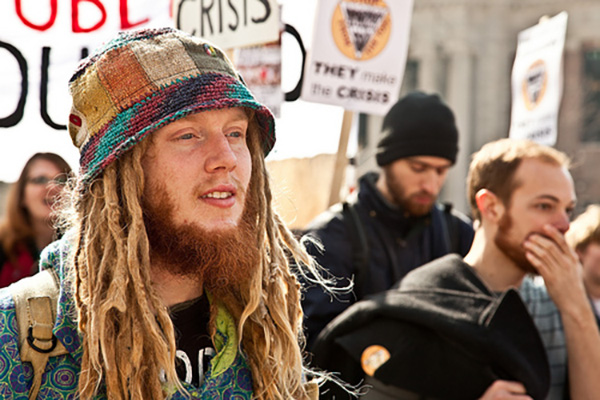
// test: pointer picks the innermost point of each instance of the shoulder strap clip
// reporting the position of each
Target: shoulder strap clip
(36, 300)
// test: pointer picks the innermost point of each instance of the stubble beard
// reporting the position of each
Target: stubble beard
(220, 261)
(512, 250)
(405, 201)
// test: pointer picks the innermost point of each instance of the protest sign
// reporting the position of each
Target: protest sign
(358, 54)
(41, 43)
(231, 23)
(537, 81)
(261, 68)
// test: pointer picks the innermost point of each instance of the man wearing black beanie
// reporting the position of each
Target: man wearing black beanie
(418, 125)
(392, 224)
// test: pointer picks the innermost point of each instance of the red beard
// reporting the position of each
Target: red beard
(220, 261)
(514, 251)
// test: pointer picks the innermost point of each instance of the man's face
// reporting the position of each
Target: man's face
(546, 195)
(203, 165)
(590, 260)
(414, 183)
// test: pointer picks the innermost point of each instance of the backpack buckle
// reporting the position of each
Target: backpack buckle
(31, 340)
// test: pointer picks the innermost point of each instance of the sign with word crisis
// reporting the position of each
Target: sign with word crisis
(358, 54)
(537, 81)
(229, 23)
(41, 43)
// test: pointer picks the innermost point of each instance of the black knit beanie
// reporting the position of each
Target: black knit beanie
(418, 124)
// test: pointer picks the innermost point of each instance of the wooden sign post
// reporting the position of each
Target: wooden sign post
(341, 160)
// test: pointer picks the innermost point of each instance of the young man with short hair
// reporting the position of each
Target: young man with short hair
(174, 276)
(524, 196)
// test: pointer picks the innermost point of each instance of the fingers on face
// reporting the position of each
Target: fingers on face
(552, 239)
(557, 236)
(542, 248)
(547, 253)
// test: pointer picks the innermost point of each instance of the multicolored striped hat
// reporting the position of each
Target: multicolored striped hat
(144, 79)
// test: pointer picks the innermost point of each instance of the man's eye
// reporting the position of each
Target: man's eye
(418, 167)
(186, 136)
(235, 134)
(545, 206)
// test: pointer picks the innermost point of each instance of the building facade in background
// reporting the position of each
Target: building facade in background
(464, 50)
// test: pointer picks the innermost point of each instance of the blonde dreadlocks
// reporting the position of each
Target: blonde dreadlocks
(128, 337)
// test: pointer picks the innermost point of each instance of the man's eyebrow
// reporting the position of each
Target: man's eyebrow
(239, 113)
(553, 199)
(240, 116)
(240, 119)
(548, 197)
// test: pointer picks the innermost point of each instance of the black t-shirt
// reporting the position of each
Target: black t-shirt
(194, 346)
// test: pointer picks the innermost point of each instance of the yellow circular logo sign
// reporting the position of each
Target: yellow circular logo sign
(361, 28)
(534, 84)
(374, 357)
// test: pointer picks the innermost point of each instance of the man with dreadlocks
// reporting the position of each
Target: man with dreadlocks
(173, 278)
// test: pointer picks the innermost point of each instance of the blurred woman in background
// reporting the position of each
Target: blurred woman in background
(27, 225)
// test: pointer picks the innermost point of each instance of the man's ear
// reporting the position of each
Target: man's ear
(489, 205)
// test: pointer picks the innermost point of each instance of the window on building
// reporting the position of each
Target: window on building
(591, 96)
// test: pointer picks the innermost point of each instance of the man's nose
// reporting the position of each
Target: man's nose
(221, 156)
(431, 182)
(562, 222)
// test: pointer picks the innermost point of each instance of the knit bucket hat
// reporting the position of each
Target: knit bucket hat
(145, 79)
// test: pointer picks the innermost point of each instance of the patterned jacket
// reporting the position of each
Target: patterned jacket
(228, 376)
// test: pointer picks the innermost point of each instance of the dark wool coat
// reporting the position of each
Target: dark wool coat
(396, 243)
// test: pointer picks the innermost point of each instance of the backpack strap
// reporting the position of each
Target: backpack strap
(451, 228)
(36, 301)
(360, 246)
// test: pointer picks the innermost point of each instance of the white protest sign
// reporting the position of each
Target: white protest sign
(537, 81)
(358, 54)
(261, 68)
(231, 23)
(41, 43)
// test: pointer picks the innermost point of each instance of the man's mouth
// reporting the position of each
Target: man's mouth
(217, 195)
(423, 199)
